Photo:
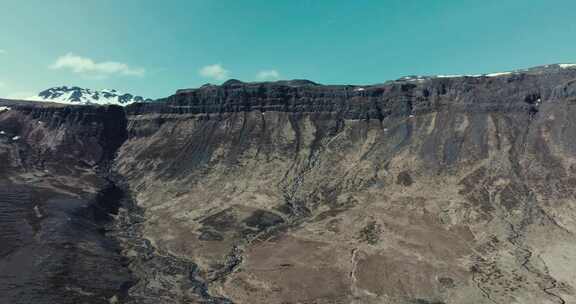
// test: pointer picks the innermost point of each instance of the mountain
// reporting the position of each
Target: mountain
(421, 190)
(76, 95)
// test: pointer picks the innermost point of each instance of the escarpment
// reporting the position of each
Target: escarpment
(40, 138)
(442, 190)
(421, 190)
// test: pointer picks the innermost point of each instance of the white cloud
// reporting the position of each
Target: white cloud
(2, 84)
(267, 75)
(214, 71)
(2, 51)
(87, 66)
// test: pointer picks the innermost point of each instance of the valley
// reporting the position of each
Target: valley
(418, 191)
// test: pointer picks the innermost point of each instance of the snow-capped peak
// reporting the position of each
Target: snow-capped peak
(76, 95)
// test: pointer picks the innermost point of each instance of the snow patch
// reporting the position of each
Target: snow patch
(37, 211)
(2, 109)
(458, 76)
(16, 138)
(449, 76)
(567, 65)
(498, 74)
(475, 75)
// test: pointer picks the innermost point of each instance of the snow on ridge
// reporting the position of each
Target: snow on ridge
(76, 95)
(475, 75)
(449, 76)
(498, 74)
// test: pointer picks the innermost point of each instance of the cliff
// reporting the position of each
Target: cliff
(420, 190)
(55, 204)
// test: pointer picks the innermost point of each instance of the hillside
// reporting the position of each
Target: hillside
(422, 190)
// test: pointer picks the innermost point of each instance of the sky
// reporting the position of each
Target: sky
(152, 47)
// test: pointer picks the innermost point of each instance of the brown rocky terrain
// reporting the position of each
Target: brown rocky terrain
(422, 190)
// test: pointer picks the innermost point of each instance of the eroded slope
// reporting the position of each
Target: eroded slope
(455, 190)
(55, 201)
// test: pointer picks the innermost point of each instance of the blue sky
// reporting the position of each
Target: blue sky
(153, 48)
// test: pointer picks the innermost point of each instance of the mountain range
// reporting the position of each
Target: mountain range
(77, 95)
(422, 190)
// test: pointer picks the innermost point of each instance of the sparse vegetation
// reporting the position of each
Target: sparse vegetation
(371, 233)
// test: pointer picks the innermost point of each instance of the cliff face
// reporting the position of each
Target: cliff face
(422, 190)
(55, 202)
(441, 190)
(58, 139)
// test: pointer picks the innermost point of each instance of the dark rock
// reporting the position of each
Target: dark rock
(263, 219)
(221, 221)
(210, 235)
(404, 179)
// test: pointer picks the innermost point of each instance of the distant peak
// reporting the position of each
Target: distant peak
(232, 82)
(292, 83)
(297, 82)
(78, 95)
(235, 83)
